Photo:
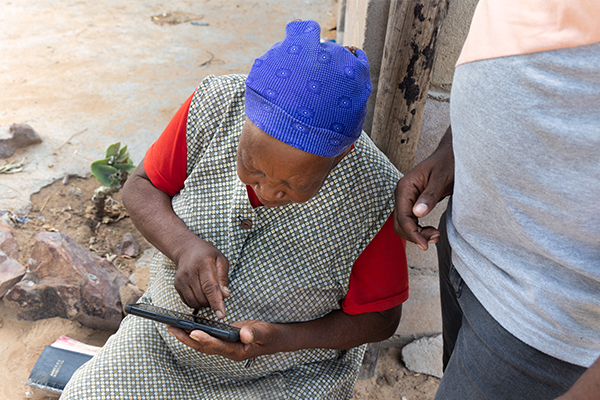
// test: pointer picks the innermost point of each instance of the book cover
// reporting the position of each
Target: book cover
(58, 362)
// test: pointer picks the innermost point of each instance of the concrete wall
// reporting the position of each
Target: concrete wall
(364, 26)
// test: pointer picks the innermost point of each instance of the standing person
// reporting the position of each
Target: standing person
(271, 212)
(519, 245)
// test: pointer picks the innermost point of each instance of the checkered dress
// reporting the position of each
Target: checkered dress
(292, 265)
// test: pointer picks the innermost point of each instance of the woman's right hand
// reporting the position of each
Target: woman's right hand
(202, 275)
(201, 278)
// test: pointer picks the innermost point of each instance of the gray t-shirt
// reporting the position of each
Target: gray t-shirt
(525, 218)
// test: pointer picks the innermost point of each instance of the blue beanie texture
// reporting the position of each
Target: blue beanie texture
(308, 94)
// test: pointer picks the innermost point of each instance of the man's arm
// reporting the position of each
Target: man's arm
(201, 268)
(336, 330)
(587, 387)
(420, 190)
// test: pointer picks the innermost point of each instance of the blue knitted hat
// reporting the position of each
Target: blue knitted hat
(308, 94)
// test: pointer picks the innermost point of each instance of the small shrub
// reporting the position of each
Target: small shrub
(112, 172)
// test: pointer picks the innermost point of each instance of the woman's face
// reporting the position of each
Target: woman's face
(279, 173)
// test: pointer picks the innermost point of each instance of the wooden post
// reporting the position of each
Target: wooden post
(406, 69)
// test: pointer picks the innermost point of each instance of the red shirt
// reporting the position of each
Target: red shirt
(379, 277)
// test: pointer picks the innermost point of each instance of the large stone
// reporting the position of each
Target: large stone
(424, 356)
(11, 272)
(8, 244)
(68, 281)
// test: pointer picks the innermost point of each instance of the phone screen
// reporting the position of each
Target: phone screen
(185, 321)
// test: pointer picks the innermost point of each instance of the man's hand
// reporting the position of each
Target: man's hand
(202, 275)
(257, 338)
(420, 190)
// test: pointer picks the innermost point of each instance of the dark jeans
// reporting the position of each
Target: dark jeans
(482, 360)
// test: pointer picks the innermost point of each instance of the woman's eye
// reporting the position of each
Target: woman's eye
(257, 173)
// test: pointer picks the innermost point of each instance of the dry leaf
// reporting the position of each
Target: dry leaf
(12, 168)
(50, 228)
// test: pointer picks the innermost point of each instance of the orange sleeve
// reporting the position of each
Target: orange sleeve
(165, 162)
(379, 278)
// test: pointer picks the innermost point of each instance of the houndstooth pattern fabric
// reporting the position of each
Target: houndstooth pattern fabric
(292, 265)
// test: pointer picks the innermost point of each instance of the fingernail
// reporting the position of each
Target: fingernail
(422, 247)
(225, 290)
(195, 337)
(420, 209)
(246, 347)
(219, 314)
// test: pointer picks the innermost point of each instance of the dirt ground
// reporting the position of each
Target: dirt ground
(66, 208)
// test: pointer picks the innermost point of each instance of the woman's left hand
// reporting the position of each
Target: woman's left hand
(257, 338)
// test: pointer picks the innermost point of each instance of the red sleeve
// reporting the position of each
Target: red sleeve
(165, 162)
(379, 278)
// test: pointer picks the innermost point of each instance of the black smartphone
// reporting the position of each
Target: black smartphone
(185, 321)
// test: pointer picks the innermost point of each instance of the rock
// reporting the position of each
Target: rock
(141, 276)
(23, 135)
(11, 272)
(424, 356)
(8, 244)
(68, 281)
(18, 135)
(6, 149)
(129, 294)
(130, 246)
(146, 259)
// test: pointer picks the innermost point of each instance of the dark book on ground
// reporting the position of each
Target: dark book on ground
(57, 364)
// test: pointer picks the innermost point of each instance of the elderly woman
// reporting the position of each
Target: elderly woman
(271, 212)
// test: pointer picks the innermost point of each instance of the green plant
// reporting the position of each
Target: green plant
(112, 172)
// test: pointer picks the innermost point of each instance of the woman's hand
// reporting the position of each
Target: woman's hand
(336, 330)
(202, 275)
(257, 338)
(201, 278)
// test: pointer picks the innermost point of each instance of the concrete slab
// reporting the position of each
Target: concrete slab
(421, 314)
(85, 74)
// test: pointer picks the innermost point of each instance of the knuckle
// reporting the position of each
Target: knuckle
(210, 288)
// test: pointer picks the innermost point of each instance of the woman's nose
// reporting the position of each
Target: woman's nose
(269, 192)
